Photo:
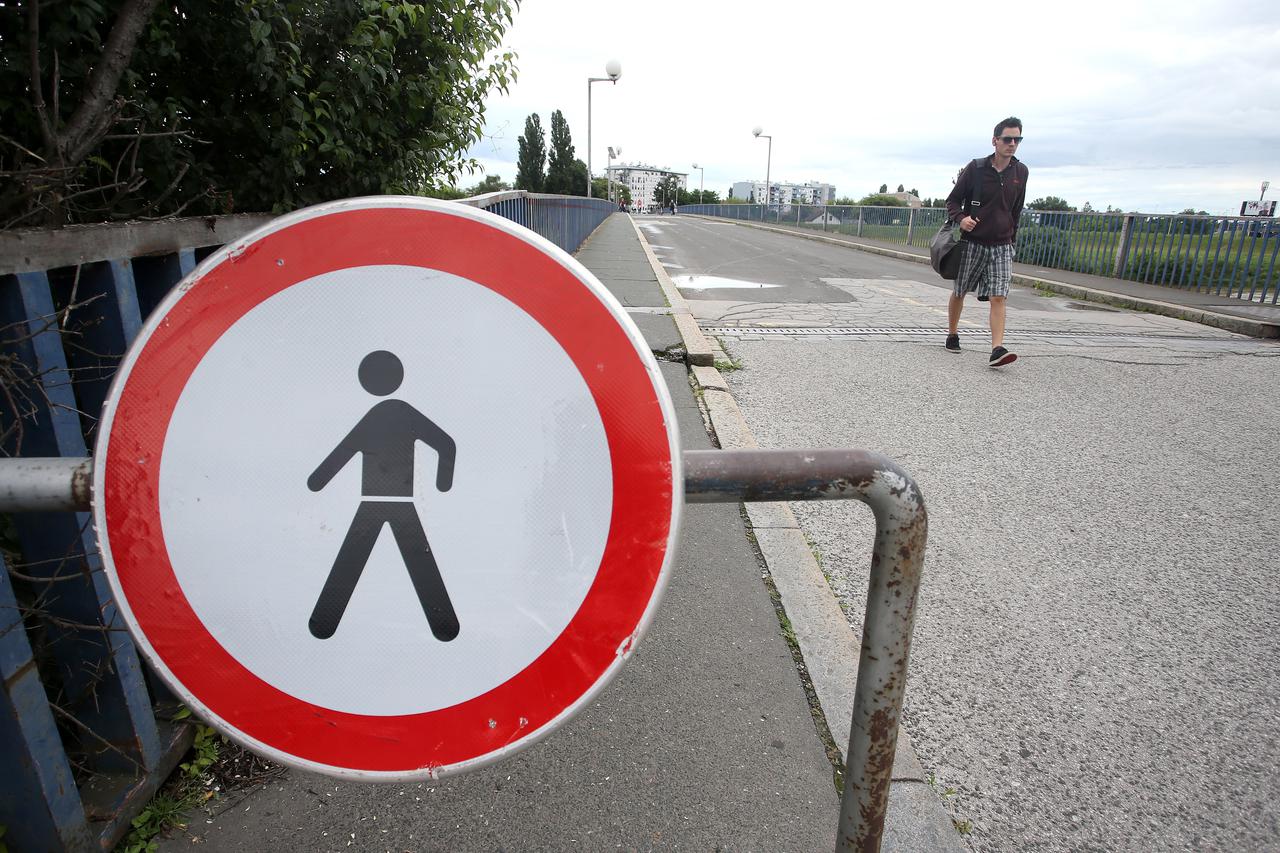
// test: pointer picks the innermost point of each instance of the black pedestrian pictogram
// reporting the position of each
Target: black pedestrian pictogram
(386, 439)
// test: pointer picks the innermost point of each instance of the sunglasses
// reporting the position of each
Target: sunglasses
(1014, 139)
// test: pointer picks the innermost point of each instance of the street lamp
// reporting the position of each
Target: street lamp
(702, 184)
(759, 132)
(608, 172)
(613, 68)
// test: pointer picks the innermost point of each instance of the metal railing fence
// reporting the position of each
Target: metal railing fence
(85, 734)
(1233, 256)
(566, 221)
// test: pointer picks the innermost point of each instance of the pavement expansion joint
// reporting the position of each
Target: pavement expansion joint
(859, 331)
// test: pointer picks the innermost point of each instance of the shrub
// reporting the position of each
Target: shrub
(1042, 244)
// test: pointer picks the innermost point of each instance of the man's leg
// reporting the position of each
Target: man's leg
(954, 306)
(997, 321)
(1001, 272)
(423, 571)
(347, 567)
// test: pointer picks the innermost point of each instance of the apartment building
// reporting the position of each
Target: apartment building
(786, 194)
(642, 181)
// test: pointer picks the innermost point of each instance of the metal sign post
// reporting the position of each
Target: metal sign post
(901, 530)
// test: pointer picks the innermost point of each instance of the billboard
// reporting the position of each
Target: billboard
(1258, 208)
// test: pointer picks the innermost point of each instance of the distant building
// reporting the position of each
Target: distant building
(643, 181)
(786, 194)
(910, 199)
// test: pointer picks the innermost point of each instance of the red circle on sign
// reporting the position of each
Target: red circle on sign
(633, 412)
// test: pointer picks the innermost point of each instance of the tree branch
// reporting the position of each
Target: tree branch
(37, 87)
(97, 110)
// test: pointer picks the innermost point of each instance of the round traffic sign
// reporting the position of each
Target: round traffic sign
(388, 488)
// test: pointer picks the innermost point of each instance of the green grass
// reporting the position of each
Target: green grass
(1232, 260)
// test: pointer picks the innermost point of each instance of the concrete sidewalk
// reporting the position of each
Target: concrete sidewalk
(706, 740)
(1222, 312)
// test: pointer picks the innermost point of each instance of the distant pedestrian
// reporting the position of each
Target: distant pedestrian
(991, 230)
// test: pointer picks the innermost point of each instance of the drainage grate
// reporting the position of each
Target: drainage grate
(862, 331)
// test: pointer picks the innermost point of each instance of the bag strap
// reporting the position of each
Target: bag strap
(975, 182)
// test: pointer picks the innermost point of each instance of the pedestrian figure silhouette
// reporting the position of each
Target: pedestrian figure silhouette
(386, 438)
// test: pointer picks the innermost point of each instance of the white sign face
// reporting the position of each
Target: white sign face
(1258, 208)
(388, 489)
(531, 456)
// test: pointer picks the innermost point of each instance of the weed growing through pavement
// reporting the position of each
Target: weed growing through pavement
(185, 790)
(728, 366)
(214, 766)
(964, 827)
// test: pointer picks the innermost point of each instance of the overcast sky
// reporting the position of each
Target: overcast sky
(1145, 105)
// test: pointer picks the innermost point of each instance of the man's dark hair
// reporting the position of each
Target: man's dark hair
(1011, 121)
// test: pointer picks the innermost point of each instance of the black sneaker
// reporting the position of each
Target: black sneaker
(953, 343)
(1000, 357)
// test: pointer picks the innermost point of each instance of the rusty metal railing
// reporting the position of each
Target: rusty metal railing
(719, 476)
(901, 530)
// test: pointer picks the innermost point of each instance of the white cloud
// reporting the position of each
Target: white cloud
(1146, 105)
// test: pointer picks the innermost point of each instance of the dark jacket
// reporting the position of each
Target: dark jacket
(1001, 195)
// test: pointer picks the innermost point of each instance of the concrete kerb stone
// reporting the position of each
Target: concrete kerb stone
(917, 819)
(698, 350)
(1226, 322)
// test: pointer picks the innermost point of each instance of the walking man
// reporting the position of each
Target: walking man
(995, 188)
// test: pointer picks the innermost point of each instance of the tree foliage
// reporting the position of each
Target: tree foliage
(621, 192)
(901, 189)
(667, 192)
(884, 188)
(699, 197)
(560, 170)
(881, 200)
(531, 171)
(1050, 202)
(223, 105)
(489, 184)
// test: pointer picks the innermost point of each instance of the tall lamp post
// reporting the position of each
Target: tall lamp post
(759, 132)
(613, 68)
(702, 183)
(608, 172)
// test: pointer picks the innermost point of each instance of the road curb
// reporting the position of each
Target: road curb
(1205, 317)
(917, 820)
(698, 351)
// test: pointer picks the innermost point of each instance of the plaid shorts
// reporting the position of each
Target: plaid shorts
(985, 270)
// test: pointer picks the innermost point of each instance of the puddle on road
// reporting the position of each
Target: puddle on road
(715, 282)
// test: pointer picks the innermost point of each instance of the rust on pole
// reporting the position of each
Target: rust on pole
(896, 560)
(39, 484)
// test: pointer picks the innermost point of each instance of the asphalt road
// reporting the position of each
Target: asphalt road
(1095, 663)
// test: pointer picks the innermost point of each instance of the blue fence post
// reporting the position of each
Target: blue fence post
(100, 681)
(39, 801)
(104, 319)
(155, 277)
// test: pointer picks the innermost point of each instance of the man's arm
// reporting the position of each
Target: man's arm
(335, 461)
(955, 201)
(1019, 201)
(428, 433)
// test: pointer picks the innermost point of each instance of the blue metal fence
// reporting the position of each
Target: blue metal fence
(1233, 256)
(85, 733)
